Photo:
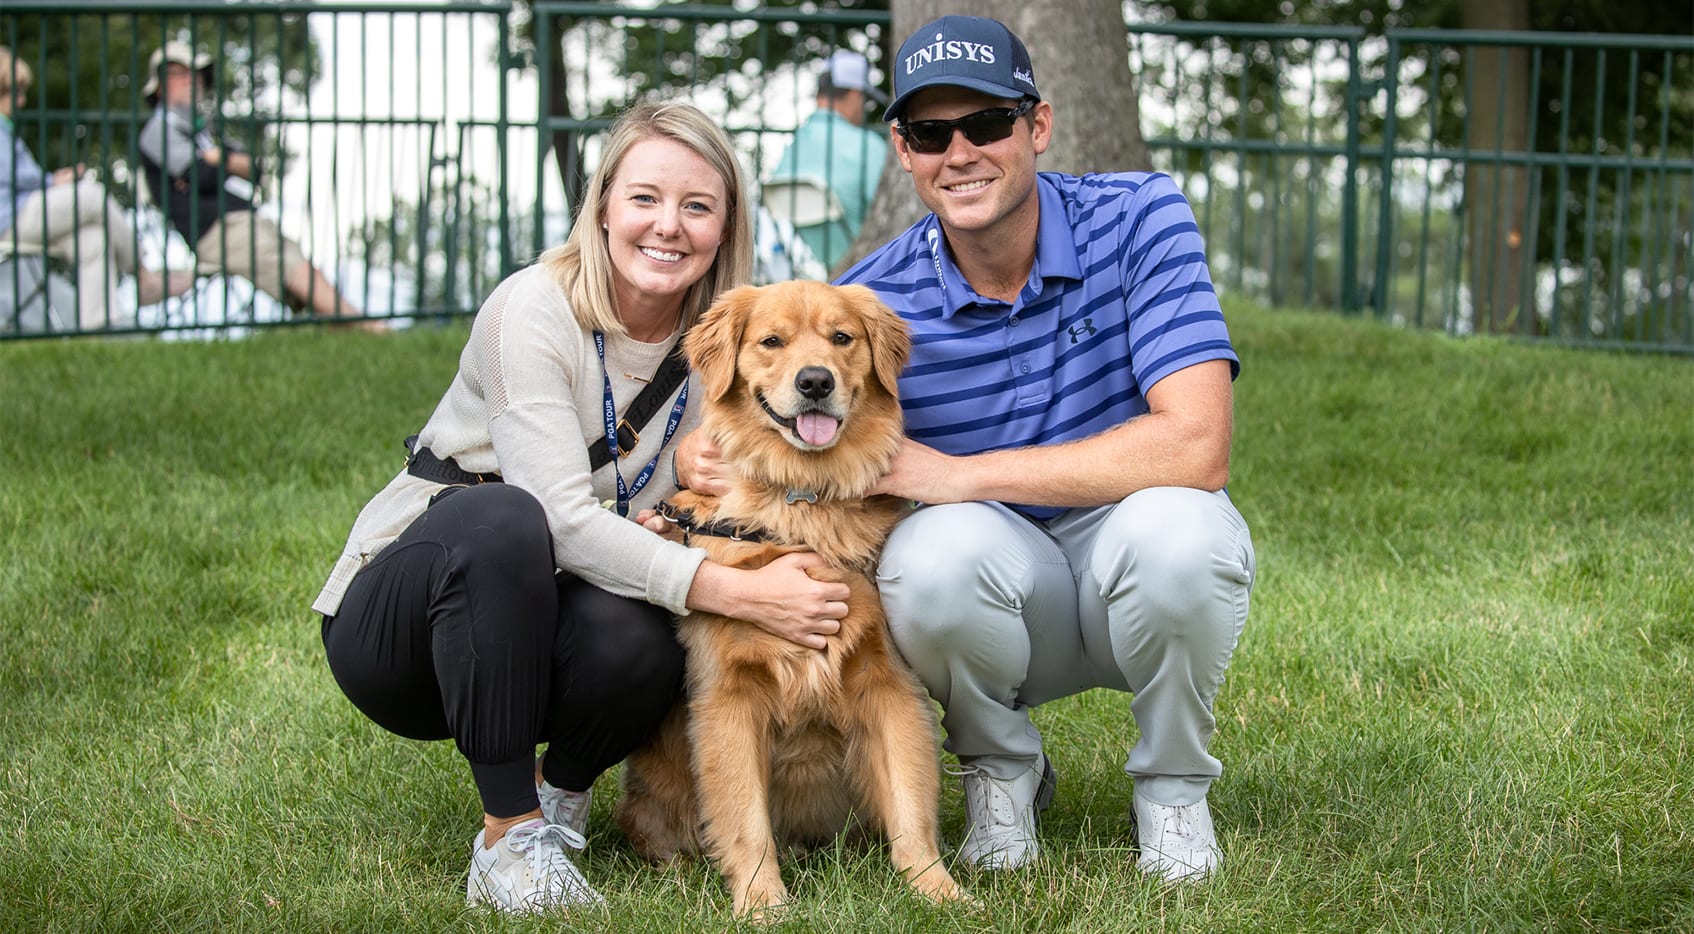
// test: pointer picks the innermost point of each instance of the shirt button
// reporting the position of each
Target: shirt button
(1013, 321)
(1023, 368)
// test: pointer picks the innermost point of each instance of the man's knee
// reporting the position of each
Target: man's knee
(929, 561)
(1177, 550)
(938, 569)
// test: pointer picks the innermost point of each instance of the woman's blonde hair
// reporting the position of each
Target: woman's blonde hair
(584, 266)
(14, 73)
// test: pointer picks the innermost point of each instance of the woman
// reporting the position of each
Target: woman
(536, 609)
(70, 217)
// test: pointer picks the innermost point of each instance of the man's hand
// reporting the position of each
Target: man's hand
(239, 164)
(921, 473)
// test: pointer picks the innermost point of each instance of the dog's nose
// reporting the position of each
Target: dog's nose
(814, 382)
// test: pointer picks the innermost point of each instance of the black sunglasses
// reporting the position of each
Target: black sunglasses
(981, 128)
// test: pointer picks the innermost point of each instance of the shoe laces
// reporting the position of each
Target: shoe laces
(546, 861)
(989, 798)
(1178, 822)
(569, 807)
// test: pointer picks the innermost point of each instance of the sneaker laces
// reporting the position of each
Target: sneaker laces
(1179, 822)
(989, 799)
(1180, 840)
(547, 862)
(566, 808)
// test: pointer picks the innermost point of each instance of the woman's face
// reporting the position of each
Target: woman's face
(665, 213)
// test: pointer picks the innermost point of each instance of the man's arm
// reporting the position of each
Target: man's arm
(1182, 440)
(234, 162)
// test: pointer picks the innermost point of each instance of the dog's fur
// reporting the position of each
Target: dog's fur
(779, 743)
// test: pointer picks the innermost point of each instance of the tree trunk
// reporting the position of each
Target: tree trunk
(565, 154)
(1080, 53)
(1497, 194)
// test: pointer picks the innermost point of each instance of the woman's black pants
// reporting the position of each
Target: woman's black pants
(462, 629)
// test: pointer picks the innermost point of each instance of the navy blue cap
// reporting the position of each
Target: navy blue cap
(964, 51)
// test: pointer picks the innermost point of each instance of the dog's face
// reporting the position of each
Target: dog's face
(804, 360)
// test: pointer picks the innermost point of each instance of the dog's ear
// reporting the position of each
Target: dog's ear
(891, 340)
(713, 342)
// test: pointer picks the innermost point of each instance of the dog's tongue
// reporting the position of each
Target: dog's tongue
(815, 428)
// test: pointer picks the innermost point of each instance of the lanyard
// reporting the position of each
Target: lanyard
(612, 431)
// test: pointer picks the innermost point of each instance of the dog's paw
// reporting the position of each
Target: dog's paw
(761, 905)
(935, 884)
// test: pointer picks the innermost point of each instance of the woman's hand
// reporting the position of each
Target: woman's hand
(700, 465)
(781, 598)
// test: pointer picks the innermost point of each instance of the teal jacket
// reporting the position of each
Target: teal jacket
(849, 160)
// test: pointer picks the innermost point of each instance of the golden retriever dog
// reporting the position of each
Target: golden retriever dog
(779, 744)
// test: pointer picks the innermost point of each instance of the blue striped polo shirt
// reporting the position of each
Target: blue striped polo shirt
(1119, 297)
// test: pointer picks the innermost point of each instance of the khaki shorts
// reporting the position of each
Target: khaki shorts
(247, 245)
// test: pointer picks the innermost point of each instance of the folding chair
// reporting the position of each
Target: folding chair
(802, 201)
(34, 297)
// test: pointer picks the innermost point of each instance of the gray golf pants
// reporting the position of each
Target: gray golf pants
(998, 613)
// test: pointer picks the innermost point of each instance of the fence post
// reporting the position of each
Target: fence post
(1385, 220)
(503, 125)
(1350, 185)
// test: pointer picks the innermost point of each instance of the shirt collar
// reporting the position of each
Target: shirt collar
(1056, 254)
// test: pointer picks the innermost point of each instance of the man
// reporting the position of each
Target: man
(68, 215)
(203, 182)
(1068, 412)
(833, 147)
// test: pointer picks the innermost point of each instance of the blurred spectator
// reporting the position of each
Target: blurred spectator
(68, 215)
(834, 150)
(203, 182)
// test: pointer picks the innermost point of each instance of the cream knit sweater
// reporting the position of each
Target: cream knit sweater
(527, 402)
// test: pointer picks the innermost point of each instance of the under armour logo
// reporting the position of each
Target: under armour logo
(1087, 327)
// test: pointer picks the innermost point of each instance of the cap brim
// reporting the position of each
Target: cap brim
(876, 94)
(975, 84)
(202, 62)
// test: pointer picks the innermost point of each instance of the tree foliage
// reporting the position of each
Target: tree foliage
(668, 52)
(1495, 98)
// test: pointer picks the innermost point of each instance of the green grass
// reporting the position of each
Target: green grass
(1461, 702)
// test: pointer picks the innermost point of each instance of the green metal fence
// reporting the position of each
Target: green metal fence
(1530, 184)
(1538, 185)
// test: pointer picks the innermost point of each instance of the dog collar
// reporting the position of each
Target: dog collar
(684, 520)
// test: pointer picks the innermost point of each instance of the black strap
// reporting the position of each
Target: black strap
(647, 403)
(422, 463)
(684, 520)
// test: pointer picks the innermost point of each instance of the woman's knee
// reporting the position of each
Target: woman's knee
(647, 657)
(497, 523)
(625, 643)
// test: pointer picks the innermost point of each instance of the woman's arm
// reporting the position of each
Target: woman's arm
(780, 598)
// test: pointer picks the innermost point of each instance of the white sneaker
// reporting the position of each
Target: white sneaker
(1177, 843)
(1004, 814)
(568, 809)
(527, 870)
